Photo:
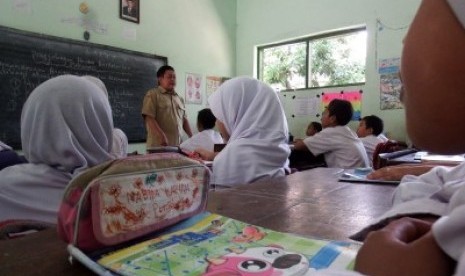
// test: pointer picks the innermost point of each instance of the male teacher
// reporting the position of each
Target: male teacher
(164, 111)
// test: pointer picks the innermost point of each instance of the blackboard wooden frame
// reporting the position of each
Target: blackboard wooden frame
(23, 65)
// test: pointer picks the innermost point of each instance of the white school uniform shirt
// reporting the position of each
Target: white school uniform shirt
(253, 116)
(370, 142)
(205, 139)
(340, 146)
(66, 127)
(440, 192)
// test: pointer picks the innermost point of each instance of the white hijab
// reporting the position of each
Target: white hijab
(255, 120)
(120, 140)
(66, 127)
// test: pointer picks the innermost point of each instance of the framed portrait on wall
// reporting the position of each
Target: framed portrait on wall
(129, 10)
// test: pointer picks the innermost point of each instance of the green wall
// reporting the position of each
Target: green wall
(197, 36)
(262, 22)
(219, 37)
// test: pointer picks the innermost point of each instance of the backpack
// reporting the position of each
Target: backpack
(127, 198)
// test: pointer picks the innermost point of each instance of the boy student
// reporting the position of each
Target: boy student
(207, 137)
(430, 238)
(339, 144)
(370, 131)
(164, 111)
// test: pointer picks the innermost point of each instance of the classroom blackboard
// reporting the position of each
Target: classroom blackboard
(28, 59)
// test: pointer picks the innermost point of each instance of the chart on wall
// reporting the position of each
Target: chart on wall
(193, 84)
(354, 97)
(212, 84)
(390, 84)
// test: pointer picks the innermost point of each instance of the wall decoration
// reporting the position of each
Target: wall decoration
(390, 84)
(212, 84)
(354, 97)
(129, 10)
(306, 105)
(193, 84)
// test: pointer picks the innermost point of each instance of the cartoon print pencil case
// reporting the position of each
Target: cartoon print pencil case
(124, 199)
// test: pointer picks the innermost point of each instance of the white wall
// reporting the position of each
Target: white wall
(261, 22)
(197, 36)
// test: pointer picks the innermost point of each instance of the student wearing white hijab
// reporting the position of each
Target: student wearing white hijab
(66, 127)
(119, 148)
(250, 116)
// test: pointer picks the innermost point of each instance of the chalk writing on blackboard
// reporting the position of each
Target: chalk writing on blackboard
(27, 60)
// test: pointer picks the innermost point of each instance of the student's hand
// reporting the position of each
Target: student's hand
(205, 154)
(396, 173)
(388, 173)
(405, 247)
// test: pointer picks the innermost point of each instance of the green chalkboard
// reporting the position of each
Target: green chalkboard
(28, 59)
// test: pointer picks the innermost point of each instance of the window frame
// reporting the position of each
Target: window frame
(308, 39)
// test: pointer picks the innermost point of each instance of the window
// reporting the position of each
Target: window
(335, 59)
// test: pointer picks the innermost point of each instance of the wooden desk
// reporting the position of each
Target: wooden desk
(310, 203)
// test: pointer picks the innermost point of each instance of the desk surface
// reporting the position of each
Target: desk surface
(310, 203)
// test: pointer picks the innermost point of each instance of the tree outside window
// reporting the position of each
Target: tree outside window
(324, 61)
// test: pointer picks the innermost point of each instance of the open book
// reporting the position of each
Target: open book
(211, 244)
(360, 175)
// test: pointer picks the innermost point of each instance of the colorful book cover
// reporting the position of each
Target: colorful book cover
(217, 245)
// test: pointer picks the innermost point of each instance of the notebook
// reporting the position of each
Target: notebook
(360, 175)
(211, 244)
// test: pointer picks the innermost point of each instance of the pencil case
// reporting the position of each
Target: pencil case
(127, 198)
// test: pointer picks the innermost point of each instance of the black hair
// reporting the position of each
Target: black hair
(206, 118)
(342, 109)
(375, 123)
(161, 71)
(317, 126)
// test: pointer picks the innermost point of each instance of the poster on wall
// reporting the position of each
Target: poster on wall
(212, 84)
(390, 84)
(354, 97)
(193, 84)
(306, 105)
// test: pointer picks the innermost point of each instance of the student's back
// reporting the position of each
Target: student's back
(207, 137)
(66, 127)
(339, 144)
(251, 114)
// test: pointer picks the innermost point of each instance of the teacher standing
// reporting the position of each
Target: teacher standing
(164, 111)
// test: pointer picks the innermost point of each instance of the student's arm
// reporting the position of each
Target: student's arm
(155, 129)
(186, 126)
(206, 154)
(405, 247)
(300, 145)
(396, 173)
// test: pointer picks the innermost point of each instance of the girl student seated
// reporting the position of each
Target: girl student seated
(66, 127)
(119, 149)
(252, 121)
(207, 137)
